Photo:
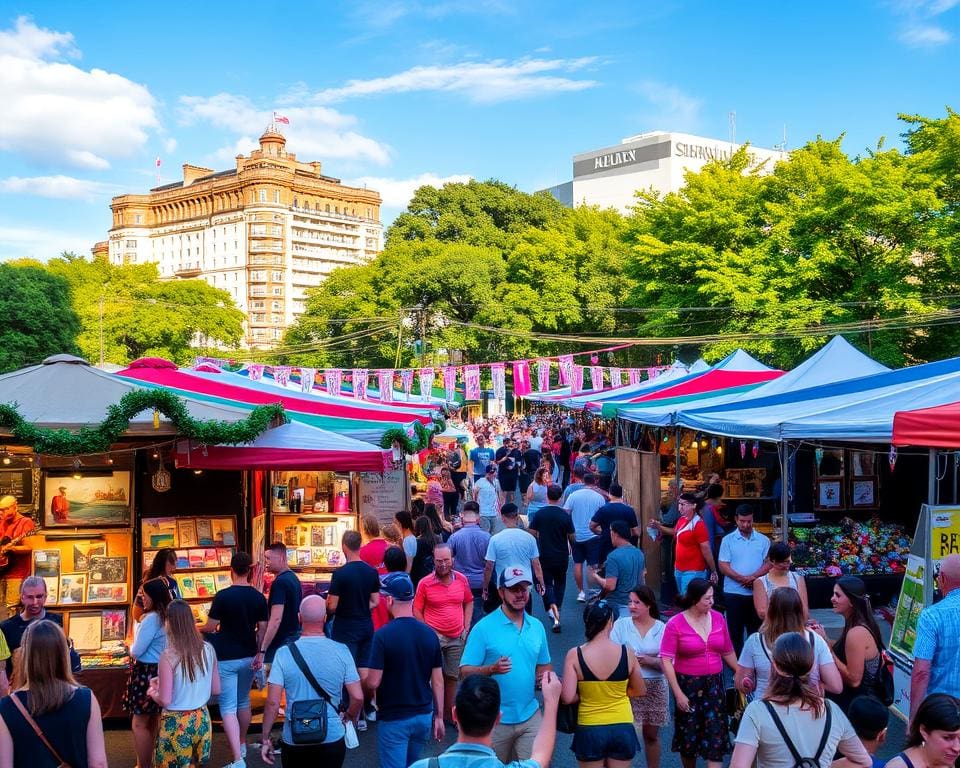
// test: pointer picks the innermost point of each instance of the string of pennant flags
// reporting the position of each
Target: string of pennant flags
(529, 376)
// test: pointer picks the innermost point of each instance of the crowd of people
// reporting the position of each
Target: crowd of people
(428, 625)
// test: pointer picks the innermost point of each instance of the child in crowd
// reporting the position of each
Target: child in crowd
(869, 718)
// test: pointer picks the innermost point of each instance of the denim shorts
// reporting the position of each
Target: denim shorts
(236, 677)
(596, 743)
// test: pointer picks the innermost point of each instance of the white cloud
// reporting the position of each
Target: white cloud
(42, 243)
(481, 82)
(920, 27)
(396, 193)
(313, 133)
(57, 187)
(56, 112)
(380, 14)
(670, 108)
(169, 146)
(924, 35)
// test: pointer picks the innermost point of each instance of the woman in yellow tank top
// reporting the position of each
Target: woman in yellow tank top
(602, 676)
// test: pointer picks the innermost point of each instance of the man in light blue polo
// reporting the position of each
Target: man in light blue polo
(512, 648)
(743, 558)
(936, 653)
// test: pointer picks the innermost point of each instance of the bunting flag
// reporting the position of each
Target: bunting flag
(566, 364)
(449, 382)
(635, 375)
(307, 377)
(596, 377)
(471, 381)
(334, 379)
(543, 375)
(499, 376)
(406, 380)
(426, 383)
(616, 379)
(281, 374)
(385, 385)
(652, 373)
(255, 371)
(576, 379)
(521, 378)
(361, 377)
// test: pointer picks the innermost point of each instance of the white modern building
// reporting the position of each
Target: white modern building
(609, 177)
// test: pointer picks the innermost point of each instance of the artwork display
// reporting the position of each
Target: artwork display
(46, 563)
(107, 569)
(90, 501)
(73, 587)
(863, 492)
(187, 533)
(829, 494)
(106, 593)
(113, 625)
(85, 629)
(83, 552)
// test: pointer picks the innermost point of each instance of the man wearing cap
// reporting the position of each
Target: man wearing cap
(512, 648)
(406, 672)
(511, 546)
(13, 526)
(487, 493)
(624, 568)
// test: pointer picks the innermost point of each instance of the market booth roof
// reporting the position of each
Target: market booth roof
(66, 392)
(937, 427)
(673, 374)
(292, 446)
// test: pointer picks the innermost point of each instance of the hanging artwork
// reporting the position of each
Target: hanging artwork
(616, 379)
(449, 382)
(307, 377)
(281, 374)
(426, 383)
(333, 380)
(385, 385)
(471, 382)
(521, 378)
(499, 377)
(255, 372)
(596, 377)
(576, 379)
(543, 375)
(406, 381)
(566, 364)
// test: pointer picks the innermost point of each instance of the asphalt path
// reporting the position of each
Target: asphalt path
(120, 744)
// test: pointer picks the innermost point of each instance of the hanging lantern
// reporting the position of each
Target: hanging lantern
(892, 457)
(743, 449)
(818, 454)
(156, 419)
(161, 481)
(756, 449)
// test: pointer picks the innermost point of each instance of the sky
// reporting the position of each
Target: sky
(397, 93)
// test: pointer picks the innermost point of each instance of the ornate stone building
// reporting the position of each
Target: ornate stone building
(265, 232)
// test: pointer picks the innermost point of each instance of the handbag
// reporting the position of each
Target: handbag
(883, 686)
(567, 717)
(308, 718)
(61, 763)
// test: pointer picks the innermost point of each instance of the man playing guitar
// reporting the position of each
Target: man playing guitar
(14, 527)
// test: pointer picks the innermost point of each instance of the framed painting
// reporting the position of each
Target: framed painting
(94, 500)
(863, 492)
(113, 625)
(829, 493)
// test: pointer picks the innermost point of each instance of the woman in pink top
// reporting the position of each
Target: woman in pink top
(696, 644)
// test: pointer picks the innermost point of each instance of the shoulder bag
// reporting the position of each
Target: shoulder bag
(308, 718)
(61, 763)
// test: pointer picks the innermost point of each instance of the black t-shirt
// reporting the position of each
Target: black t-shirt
(553, 524)
(422, 561)
(531, 461)
(613, 510)
(238, 608)
(407, 651)
(13, 629)
(510, 467)
(285, 591)
(353, 583)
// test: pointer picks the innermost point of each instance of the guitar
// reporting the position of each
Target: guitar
(4, 557)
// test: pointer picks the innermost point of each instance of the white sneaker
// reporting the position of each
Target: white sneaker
(243, 751)
(362, 725)
(581, 598)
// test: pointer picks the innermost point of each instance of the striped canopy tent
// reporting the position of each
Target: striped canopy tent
(738, 372)
(349, 420)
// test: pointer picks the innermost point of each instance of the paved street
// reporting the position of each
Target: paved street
(120, 751)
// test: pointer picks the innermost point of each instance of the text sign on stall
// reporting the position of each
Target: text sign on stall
(382, 494)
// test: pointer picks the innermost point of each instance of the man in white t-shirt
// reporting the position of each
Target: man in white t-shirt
(743, 558)
(487, 493)
(582, 506)
(512, 546)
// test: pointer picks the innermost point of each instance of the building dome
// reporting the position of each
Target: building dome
(272, 142)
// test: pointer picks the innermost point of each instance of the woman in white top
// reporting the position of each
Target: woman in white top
(642, 632)
(779, 575)
(188, 677)
(536, 495)
(793, 721)
(784, 614)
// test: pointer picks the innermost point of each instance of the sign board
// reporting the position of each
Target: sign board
(382, 494)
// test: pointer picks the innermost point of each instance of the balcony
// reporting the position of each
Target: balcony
(274, 246)
(265, 260)
(190, 269)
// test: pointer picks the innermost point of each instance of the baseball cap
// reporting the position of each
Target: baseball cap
(398, 586)
(515, 574)
(7, 501)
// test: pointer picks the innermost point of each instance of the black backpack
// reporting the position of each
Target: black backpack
(802, 762)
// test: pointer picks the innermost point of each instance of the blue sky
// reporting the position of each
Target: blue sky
(395, 93)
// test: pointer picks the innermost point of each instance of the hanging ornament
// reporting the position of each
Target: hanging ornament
(156, 419)
(161, 480)
(818, 454)
(743, 449)
(594, 359)
(892, 457)
(756, 449)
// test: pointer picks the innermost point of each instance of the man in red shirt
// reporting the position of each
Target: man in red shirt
(694, 557)
(444, 603)
(13, 525)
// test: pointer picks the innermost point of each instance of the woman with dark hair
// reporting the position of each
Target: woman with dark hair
(423, 558)
(441, 528)
(536, 495)
(793, 721)
(407, 535)
(784, 614)
(149, 642)
(601, 675)
(67, 714)
(934, 737)
(642, 633)
(857, 652)
(695, 646)
(780, 575)
(451, 494)
(163, 566)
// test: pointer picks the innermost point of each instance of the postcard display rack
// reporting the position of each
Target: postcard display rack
(310, 512)
(204, 546)
(83, 551)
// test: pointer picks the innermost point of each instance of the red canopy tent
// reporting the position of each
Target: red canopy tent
(935, 427)
(710, 381)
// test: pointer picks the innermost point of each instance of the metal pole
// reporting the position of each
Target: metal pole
(784, 451)
(676, 459)
(932, 494)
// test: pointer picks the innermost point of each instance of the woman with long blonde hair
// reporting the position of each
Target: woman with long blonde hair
(67, 714)
(188, 676)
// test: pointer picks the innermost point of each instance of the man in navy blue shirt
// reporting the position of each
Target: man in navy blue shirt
(406, 671)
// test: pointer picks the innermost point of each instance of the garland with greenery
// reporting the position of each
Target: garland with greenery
(397, 435)
(62, 442)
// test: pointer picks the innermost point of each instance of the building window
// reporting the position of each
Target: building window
(328, 207)
(296, 202)
(263, 195)
(277, 276)
(138, 218)
(131, 243)
(278, 291)
(276, 306)
(276, 195)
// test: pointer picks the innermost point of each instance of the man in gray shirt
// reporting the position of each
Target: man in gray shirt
(469, 549)
(624, 569)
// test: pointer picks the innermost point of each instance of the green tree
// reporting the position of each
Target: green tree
(140, 315)
(39, 319)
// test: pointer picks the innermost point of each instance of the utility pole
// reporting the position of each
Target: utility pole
(423, 329)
